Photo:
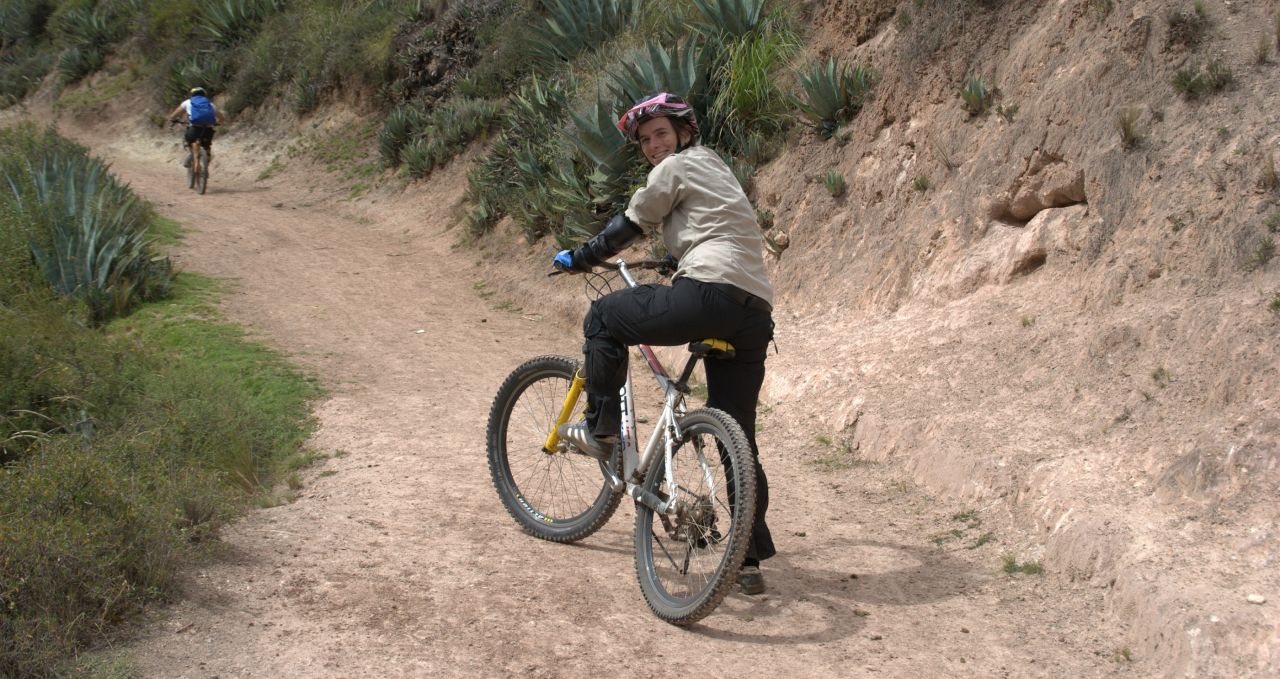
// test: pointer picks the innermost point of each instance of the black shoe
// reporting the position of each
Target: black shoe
(751, 580)
(579, 434)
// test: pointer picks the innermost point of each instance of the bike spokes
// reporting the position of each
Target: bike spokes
(559, 495)
(687, 557)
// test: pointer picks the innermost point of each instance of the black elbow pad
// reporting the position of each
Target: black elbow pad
(617, 234)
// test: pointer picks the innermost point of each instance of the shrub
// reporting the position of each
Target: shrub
(1273, 223)
(976, 95)
(87, 34)
(445, 130)
(24, 21)
(306, 93)
(77, 62)
(1131, 132)
(125, 469)
(573, 26)
(834, 181)
(399, 127)
(96, 248)
(921, 184)
(657, 69)
(748, 102)
(209, 70)
(21, 72)
(728, 19)
(1193, 82)
(1262, 254)
(833, 93)
(1187, 28)
(228, 21)
(496, 186)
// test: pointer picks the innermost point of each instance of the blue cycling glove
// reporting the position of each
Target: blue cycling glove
(564, 261)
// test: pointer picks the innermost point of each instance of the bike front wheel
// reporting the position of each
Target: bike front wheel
(687, 559)
(561, 496)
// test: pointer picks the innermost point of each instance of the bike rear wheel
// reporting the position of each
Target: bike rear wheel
(687, 560)
(202, 177)
(560, 496)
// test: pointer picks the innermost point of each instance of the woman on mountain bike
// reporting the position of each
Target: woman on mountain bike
(720, 289)
(201, 116)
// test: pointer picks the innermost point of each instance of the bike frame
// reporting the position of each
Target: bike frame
(666, 431)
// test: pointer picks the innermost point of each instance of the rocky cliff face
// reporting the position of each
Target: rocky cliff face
(1049, 314)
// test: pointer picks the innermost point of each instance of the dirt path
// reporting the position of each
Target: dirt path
(397, 559)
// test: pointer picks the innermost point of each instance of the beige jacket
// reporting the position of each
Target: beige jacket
(707, 222)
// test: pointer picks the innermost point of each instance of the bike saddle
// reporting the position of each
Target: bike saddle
(711, 348)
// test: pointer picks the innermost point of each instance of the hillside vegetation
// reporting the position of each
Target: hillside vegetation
(1027, 249)
(133, 424)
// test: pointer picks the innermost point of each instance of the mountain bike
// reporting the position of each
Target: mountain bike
(693, 483)
(197, 167)
(198, 171)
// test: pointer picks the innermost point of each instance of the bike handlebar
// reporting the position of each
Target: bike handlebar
(663, 266)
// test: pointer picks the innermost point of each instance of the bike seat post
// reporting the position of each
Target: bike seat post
(682, 383)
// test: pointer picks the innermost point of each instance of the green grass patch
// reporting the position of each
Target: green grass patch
(165, 231)
(272, 169)
(982, 540)
(98, 94)
(1012, 566)
(126, 447)
(839, 456)
(347, 151)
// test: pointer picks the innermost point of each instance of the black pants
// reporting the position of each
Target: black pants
(199, 133)
(686, 311)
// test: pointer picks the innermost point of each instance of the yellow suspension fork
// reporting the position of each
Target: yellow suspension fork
(566, 410)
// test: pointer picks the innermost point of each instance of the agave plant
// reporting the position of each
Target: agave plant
(573, 26)
(577, 215)
(976, 95)
(728, 19)
(205, 69)
(833, 93)
(87, 28)
(99, 251)
(227, 21)
(598, 139)
(660, 70)
(77, 62)
(399, 127)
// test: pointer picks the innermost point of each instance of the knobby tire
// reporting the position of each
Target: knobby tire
(563, 496)
(660, 557)
(202, 178)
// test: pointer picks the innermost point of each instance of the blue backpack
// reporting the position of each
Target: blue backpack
(202, 111)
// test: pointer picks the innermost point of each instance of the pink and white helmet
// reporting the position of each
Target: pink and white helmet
(659, 106)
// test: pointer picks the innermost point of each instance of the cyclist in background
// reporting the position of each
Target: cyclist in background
(720, 289)
(201, 116)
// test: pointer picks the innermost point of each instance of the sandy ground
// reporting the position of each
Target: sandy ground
(397, 559)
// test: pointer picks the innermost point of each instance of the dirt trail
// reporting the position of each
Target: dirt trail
(397, 560)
